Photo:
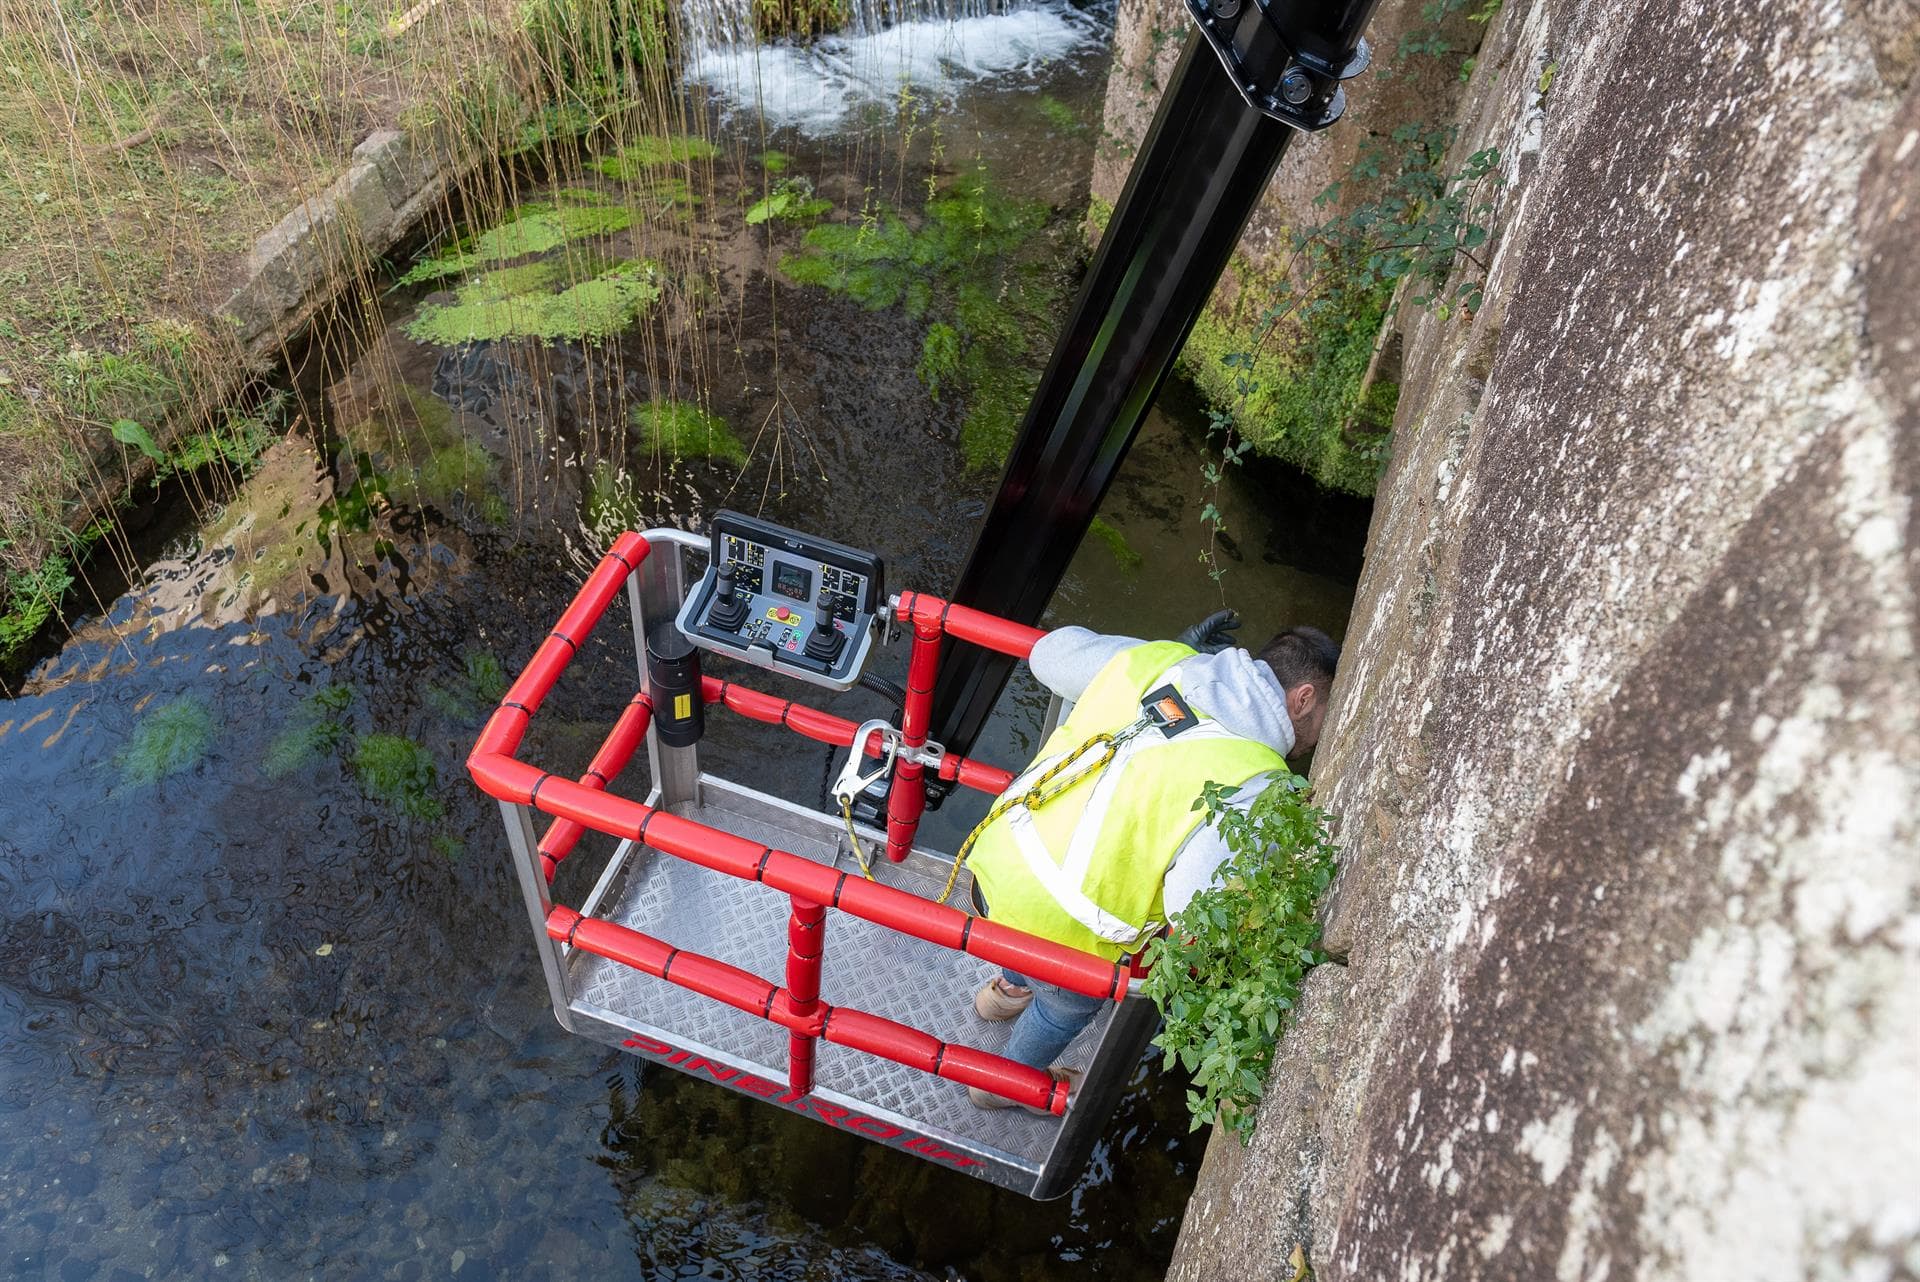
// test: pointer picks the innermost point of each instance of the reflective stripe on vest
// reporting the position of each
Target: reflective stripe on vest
(1117, 833)
(1063, 880)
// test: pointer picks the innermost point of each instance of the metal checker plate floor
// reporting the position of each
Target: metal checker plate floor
(866, 967)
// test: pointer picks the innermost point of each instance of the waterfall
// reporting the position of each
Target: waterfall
(727, 25)
(929, 47)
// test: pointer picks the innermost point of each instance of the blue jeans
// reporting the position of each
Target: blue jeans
(1054, 1018)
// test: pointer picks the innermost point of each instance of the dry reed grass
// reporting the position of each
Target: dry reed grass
(144, 147)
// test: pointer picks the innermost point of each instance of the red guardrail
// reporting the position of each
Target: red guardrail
(812, 887)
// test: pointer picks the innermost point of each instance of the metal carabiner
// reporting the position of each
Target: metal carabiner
(851, 782)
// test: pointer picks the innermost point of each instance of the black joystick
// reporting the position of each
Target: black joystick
(824, 643)
(728, 611)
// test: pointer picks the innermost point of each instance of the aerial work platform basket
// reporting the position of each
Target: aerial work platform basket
(734, 936)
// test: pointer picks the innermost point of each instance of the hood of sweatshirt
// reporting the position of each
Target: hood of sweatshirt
(1239, 692)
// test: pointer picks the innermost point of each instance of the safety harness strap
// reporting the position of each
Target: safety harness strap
(1086, 833)
(1064, 881)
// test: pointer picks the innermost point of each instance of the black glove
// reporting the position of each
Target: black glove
(1212, 634)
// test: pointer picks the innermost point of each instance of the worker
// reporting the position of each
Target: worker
(1102, 865)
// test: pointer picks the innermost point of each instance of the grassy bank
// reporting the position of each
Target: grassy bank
(144, 152)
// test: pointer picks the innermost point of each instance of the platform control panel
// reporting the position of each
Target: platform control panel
(785, 600)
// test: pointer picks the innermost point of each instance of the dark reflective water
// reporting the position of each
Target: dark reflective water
(268, 1001)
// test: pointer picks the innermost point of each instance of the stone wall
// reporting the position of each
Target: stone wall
(1625, 749)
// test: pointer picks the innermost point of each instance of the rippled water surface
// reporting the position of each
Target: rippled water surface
(268, 1004)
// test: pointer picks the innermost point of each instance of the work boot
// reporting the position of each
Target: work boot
(1000, 1001)
(988, 1100)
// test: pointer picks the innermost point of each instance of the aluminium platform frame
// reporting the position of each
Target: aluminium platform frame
(708, 1013)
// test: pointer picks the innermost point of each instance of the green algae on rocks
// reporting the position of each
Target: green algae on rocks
(654, 152)
(173, 737)
(399, 773)
(986, 266)
(535, 228)
(1124, 553)
(681, 429)
(521, 302)
(317, 726)
(1300, 396)
(408, 449)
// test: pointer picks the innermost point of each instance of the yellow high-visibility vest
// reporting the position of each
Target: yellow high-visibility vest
(1086, 868)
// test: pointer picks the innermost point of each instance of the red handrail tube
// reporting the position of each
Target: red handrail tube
(806, 945)
(903, 1045)
(614, 754)
(841, 1025)
(824, 727)
(1002, 1076)
(965, 624)
(811, 886)
(886, 906)
(502, 734)
(907, 798)
(977, 775)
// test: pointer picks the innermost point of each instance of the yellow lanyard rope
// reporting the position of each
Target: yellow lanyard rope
(1039, 794)
(859, 851)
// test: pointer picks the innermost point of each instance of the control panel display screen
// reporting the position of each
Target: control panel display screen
(791, 581)
(785, 600)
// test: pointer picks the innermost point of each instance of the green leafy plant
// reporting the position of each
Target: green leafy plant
(1289, 363)
(597, 53)
(792, 200)
(236, 440)
(316, 726)
(399, 773)
(171, 738)
(31, 598)
(1422, 223)
(1431, 38)
(1227, 974)
(979, 263)
(128, 432)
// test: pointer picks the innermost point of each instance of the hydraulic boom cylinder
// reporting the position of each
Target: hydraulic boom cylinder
(1253, 74)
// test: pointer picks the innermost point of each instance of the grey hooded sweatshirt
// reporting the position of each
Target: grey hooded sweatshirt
(1232, 687)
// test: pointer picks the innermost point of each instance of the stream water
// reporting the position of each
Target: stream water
(268, 1002)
